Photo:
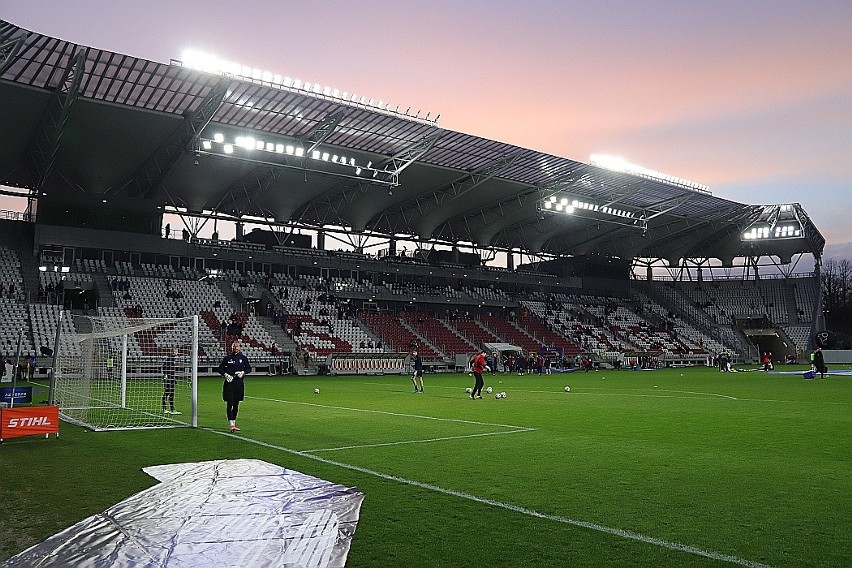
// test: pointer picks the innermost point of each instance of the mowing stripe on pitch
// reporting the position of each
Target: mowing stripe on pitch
(510, 507)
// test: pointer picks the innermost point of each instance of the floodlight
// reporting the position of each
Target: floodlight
(300, 152)
(290, 149)
(569, 209)
(228, 149)
(218, 138)
(270, 147)
(548, 205)
(258, 144)
(279, 148)
(207, 144)
(315, 155)
(563, 201)
(325, 156)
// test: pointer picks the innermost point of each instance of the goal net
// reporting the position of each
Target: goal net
(114, 373)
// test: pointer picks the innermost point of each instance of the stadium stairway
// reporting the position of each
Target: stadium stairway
(282, 341)
(789, 299)
(18, 236)
(234, 300)
(104, 290)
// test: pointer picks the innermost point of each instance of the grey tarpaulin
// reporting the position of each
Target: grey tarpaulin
(220, 513)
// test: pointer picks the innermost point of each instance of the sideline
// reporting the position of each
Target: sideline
(630, 535)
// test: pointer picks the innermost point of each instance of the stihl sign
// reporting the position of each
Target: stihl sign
(28, 421)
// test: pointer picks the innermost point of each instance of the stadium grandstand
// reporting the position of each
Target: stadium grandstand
(372, 229)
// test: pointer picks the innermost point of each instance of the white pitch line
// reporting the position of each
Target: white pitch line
(704, 394)
(388, 413)
(630, 535)
(421, 441)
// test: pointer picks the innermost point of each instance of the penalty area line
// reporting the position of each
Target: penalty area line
(389, 413)
(422, 441)
(630, 535)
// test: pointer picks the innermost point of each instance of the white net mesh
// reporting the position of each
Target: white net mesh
(125, 373)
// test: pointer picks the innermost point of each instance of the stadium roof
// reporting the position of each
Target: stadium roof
(84, 119)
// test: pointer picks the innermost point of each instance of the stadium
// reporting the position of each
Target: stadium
(362, 231)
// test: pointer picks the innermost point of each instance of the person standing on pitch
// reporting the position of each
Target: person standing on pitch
(417, 365)
(169, 382)
(479, 366)
(819, 362)
(234, 368)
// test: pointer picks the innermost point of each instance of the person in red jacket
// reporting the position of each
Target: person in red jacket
(479, 366)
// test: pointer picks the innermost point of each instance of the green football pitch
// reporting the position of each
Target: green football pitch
(675, 467)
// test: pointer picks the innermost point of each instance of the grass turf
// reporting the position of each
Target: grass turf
(741, 467)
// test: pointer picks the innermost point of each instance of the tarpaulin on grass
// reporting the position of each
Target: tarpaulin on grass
(221, 513)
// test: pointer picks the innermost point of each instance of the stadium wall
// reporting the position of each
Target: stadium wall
(837, 356)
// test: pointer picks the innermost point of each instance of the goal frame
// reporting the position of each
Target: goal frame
(124, 378)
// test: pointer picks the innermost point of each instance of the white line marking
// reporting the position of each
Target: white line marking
(387, 413)
(510, 507)
(704, 394)
(421, 441)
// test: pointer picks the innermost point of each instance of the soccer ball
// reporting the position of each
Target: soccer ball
(567, 389)
(489, 390)
(316, 391)
(498, 396)
(468, 390)
(503, 394)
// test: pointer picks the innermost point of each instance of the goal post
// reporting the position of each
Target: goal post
(122, 373)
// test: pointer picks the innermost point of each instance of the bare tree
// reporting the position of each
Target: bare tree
(837, 294)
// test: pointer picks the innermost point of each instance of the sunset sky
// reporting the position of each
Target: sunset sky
(753, 98)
